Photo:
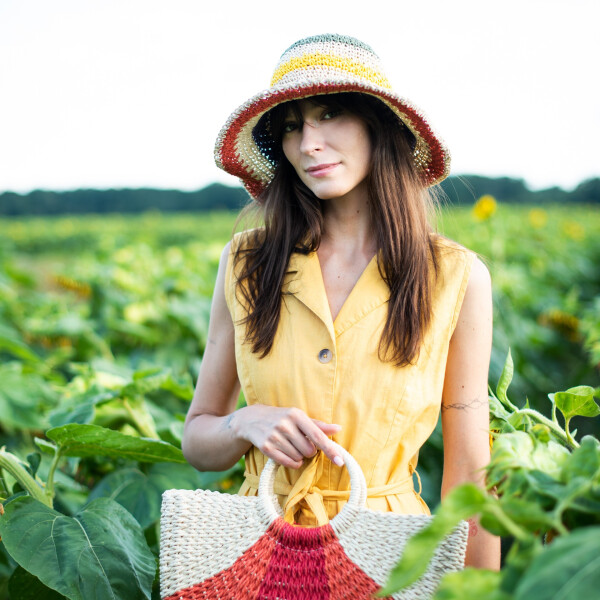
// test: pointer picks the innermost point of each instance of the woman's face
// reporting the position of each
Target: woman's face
(329, 148)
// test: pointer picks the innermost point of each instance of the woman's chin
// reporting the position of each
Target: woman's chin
(334, 192)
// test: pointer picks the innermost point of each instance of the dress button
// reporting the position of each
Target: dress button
(325, 355)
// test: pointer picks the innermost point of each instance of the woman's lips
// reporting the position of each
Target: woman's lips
(321, 170)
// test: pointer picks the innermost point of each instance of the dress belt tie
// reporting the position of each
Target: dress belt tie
(305, 490)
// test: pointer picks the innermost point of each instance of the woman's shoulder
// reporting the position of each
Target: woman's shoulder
(444, 245)
(247, 239)
(233, 260)
(455, 261)
(459, 273)
(236, 251)
(451, 254)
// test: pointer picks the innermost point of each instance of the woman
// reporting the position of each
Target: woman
(345, 318)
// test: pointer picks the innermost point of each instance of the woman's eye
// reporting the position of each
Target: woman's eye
(290, 126)
(331, 113)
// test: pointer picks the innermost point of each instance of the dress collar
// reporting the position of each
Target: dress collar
(304, 280)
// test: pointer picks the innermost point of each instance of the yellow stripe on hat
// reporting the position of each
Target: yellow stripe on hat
(309, 61)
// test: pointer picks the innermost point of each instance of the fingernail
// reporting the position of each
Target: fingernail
(338, 461)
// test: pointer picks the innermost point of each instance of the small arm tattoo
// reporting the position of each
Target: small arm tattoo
(475, 403)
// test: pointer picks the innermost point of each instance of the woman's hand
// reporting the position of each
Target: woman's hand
(287, 435)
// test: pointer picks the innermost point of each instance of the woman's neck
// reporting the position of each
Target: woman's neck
(348, 227)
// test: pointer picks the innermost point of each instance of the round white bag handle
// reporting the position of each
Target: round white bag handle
(357, 499)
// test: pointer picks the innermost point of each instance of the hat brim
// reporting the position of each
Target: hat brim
(237, 153)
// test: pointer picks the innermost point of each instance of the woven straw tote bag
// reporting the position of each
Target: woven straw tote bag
(221, 546)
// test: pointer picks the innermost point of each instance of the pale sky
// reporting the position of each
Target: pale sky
(132, 93)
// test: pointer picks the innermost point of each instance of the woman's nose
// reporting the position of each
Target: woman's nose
(312, 137)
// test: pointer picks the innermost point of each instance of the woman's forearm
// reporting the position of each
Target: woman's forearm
(483, 548)
(210, 444)
(286, 435)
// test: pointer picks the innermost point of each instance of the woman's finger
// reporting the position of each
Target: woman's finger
(281, 458)
(295, 445)
(290, 430)
(318, 437)
(327, 428)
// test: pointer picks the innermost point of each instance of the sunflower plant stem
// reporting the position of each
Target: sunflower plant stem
(11, 464)
(512, 527)
(565, 503)
(562, 530)
(569, 437)
(509, 404)
(4, 493)
(51, 471)
(556, 429)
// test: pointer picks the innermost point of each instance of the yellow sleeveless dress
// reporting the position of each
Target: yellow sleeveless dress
(331, 370)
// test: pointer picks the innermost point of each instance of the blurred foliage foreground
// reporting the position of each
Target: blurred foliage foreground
(103, 325)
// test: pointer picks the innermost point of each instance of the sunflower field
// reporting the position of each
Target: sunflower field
(103, 323)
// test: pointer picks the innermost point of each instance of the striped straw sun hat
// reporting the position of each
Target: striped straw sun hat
(321, 64)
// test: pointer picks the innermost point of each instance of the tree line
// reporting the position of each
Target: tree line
(459, 190)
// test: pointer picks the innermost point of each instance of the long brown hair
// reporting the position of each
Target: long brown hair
(293, 222)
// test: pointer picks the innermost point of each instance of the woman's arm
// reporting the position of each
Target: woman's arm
(465, 408)
(207, 441)
(215, 434)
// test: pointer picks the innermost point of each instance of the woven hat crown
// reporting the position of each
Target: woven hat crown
(329, 58)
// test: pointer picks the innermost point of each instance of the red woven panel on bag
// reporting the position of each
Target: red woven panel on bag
(288, 563)
(297, 567)
(241, 581)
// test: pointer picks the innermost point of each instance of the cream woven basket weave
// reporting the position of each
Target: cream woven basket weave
(221, 546)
